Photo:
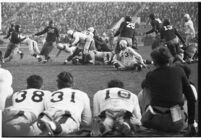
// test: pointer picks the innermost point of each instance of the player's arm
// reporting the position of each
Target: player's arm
(120, 29)
(153, 28)
(57, 34)
(86, 114)
(177, 33)
(8, 34)
(42, 32)
(137, 55)
(77, 39)
(192, 29)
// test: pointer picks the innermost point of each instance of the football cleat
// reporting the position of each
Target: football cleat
(65, 62)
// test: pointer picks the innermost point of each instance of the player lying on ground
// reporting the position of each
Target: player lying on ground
(116, 111)
(68, 109)
(84, 43)
(18, 119)
(127, 58)
(33, 47)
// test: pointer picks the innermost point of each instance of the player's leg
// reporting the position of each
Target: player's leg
(18, 51)
(8, 50)
(75, 53)
(34, 50)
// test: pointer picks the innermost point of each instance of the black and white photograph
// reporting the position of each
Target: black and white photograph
(99, 69)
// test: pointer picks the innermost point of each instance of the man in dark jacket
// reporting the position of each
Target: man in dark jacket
(51, 39)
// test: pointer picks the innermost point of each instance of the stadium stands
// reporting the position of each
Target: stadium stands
(81, 15)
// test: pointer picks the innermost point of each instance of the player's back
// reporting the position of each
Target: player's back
(69, 99)
(114, 99)
(30, 100)
(128, 30)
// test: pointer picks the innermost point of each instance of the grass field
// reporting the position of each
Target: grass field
(88, 78)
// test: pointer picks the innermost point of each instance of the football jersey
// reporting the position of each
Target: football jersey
(30, 100)
(129, 55)
(127, 29)
(116, 99)
(189, 28)
(72, 100)
(6, 89)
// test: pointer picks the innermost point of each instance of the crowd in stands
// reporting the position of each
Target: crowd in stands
(81, 15)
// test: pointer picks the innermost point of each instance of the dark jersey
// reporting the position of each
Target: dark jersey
(15, 37)
(52, 33)
(169, 33)
(10, 30)
(156, 26)
(127, 29)
(167, 86)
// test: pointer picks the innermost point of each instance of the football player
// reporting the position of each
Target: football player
(116, 111)
(189, 29)
(68, 109)
(156, 26)
(51, 39)
(33, 47)
(128, 58)
(126, 32)
(6, 89)
(170, 36)
(13, 45)
(26, 106)
(85, 44)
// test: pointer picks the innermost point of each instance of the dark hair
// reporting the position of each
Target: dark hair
(17, 27)
(64, 80)
(166, 22)
(34, 81)
(128, 18)
(161, 56)
(152, 16)
(115, 83)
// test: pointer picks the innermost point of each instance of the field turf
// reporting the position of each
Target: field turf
(88, 78)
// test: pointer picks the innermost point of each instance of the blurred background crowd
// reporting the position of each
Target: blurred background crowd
(102, 15)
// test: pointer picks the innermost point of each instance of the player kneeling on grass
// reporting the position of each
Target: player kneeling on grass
(26, 106)
(33, 47)
(68, 110)
(128, 58)
(116, 111)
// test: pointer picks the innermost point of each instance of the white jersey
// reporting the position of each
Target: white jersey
(129, 55)
(6, 89)
(116, 99)
(74, 101)
(30, 100)
(79, 37)
(189, 28)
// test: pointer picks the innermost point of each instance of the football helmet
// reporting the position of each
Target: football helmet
(70, 32)
(123, 44)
